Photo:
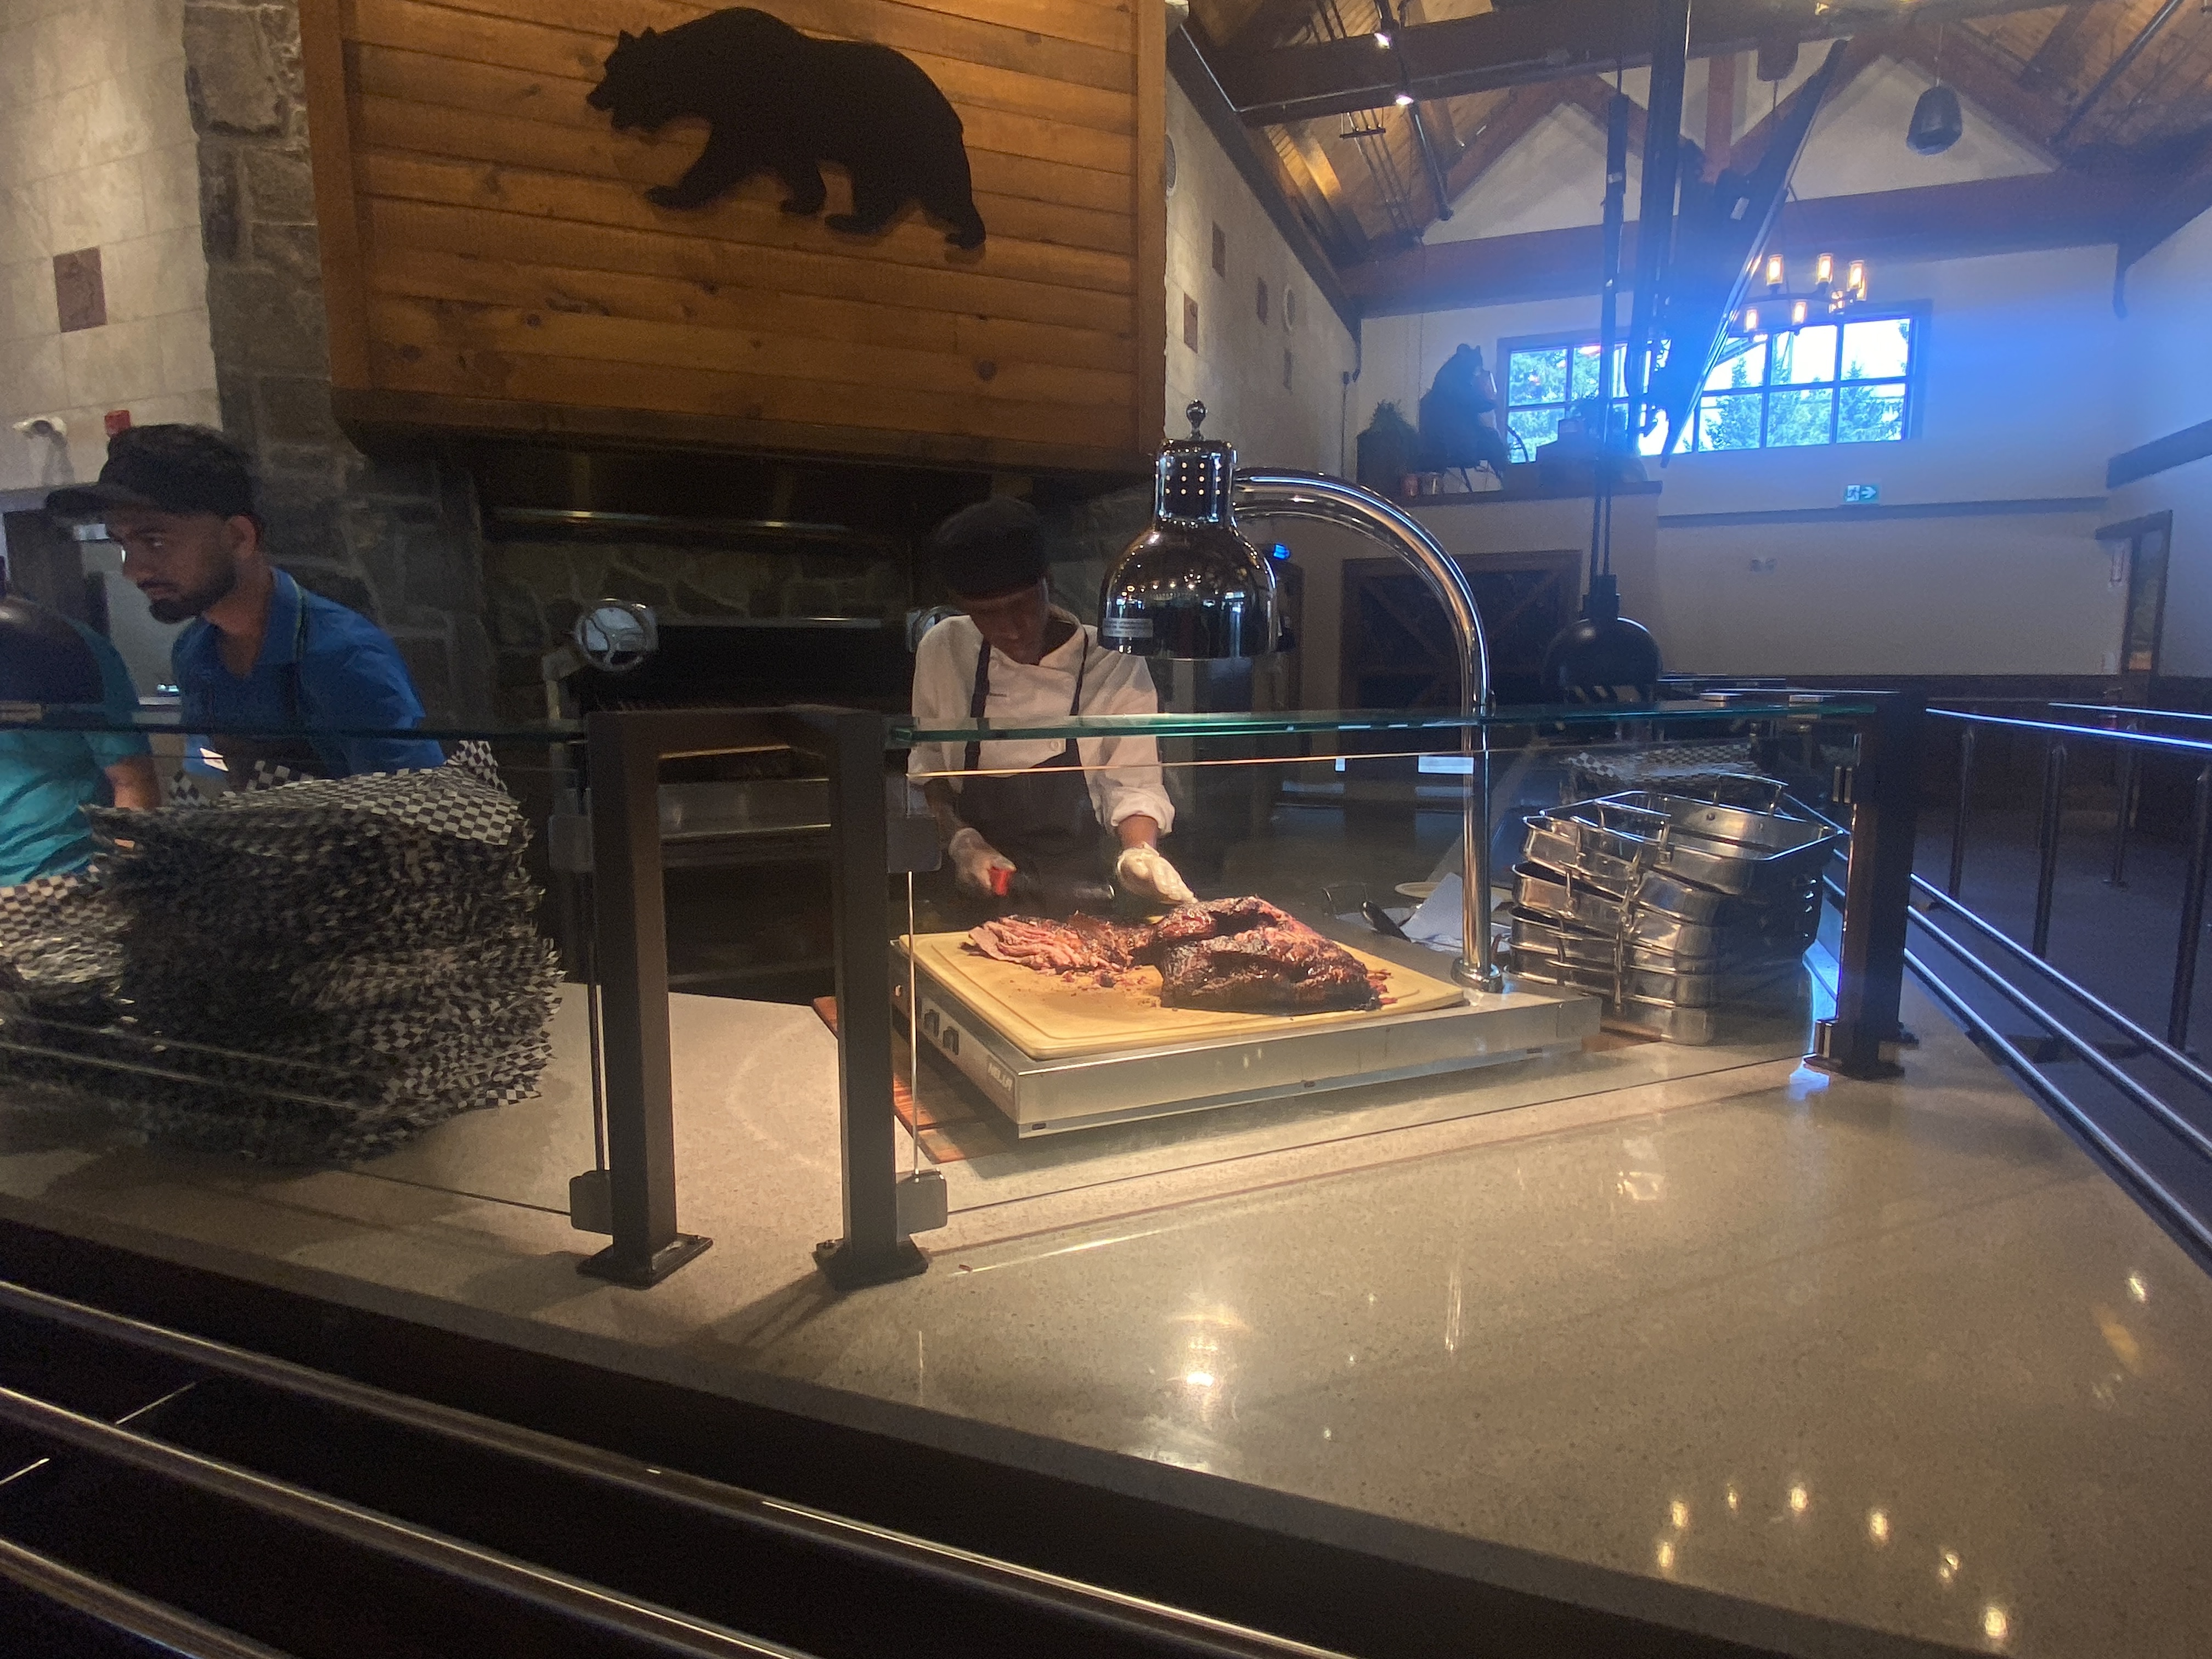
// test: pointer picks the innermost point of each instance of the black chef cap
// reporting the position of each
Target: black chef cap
(991, 548)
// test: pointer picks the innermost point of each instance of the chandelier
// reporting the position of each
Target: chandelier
(1782, 311)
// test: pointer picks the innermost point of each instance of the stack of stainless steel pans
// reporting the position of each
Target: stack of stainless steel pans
(1675, 909)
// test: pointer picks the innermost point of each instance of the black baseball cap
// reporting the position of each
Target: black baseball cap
(171, 468)
(992, 548)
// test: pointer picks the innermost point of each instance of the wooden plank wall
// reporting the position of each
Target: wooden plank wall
(491, 261)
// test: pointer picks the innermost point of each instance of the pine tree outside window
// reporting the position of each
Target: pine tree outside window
(1850, 382)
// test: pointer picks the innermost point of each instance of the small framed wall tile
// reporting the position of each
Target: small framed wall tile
(80, 294)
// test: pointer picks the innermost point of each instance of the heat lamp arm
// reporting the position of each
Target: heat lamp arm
(1264, 493)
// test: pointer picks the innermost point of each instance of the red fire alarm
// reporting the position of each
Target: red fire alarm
(116, 420)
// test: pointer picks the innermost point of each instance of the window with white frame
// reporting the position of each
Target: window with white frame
(1849, 382)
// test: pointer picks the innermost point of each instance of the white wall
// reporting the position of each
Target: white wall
(97, 150)
(1236, 370)
(1554, 178)
(2020, 404)
(2164, 370)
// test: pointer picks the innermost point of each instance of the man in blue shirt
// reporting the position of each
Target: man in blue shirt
(46, 775)
(276, 675)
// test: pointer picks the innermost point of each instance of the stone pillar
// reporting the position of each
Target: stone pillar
(397, 540)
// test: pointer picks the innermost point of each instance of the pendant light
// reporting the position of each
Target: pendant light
(1937, 121)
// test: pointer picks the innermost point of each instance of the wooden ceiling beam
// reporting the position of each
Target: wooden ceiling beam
(1720, 111)
(1307, 165)
(2061, 56)
(1990, 216)
(1521, 45)
(1443, 130)
(1271, 23)
(2182, 197)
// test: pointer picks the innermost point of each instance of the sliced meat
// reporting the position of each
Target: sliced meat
(1050, 947)
(1232, 956)
(1119, 943)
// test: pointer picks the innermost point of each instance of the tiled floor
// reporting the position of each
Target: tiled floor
(1895, 1354)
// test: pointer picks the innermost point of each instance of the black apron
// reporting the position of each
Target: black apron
(1041, 816)
(256, 763)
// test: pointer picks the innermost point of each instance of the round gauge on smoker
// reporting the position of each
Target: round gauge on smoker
(616, 636)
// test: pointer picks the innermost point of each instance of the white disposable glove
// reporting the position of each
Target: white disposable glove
(1141, 872)
(972, 859)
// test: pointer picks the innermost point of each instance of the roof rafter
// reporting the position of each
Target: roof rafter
(1271, 23)
(2061, 55)
(1327, 202)
(1521, 44)
(1987, 215)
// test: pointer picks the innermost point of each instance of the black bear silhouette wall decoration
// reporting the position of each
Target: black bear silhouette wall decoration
(783, 102)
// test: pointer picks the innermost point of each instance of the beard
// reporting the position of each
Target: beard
(182, 607)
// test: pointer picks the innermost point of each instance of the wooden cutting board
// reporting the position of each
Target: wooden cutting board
(1048, 1019)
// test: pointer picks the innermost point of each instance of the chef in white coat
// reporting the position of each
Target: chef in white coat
(1036, 815)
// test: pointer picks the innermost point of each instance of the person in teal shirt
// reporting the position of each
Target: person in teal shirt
(47, 776)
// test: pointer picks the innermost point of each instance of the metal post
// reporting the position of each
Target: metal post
(631, 956)
(872, 1251)
(1877, 891)
(2192, 915)
(2127, 792)
(1966, 804)
(1265, 493)
(2046, 878)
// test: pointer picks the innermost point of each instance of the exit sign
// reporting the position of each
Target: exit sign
(1861, 495)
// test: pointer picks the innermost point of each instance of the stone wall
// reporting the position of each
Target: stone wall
(397, 540)
(537, 588)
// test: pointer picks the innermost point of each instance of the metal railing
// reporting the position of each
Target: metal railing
(2134, 746)
(2151, 1134)
(1145, 1623)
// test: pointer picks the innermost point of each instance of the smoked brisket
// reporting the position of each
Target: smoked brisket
(1232, 956)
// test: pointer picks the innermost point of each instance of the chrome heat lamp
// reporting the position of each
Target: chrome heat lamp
(1191, 586)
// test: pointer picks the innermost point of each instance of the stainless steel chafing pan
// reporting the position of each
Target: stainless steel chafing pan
(1728, 847)
(1566, 899)
(1541, 938)
(1546, 970)
(1647, 935)
(1607, 844)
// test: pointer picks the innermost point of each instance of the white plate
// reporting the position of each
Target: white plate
(1417, 890)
